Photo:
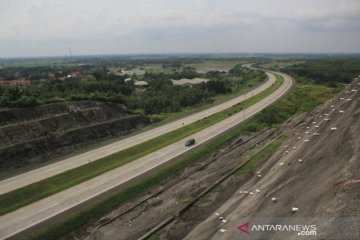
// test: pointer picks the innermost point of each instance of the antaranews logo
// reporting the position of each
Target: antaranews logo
(301, 230)
(309, 228)
(244, 228)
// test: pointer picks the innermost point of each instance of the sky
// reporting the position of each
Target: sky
(52, 27)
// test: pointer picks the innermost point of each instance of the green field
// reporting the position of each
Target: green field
(36, 191)
(223, 65)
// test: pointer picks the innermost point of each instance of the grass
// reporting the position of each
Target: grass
(304, 97)
(258, 159)
(292, 100)
(39, 190)
(216, 64)
(185, 200)
(216, 100)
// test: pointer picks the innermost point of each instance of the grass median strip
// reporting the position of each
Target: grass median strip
(39, 190)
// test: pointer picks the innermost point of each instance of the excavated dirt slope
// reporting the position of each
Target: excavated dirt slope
(314, 178)
(38, 133)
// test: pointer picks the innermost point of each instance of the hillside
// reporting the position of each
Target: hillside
(314, 177)
(35, 134)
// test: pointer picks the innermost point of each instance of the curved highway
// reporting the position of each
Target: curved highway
(42, 173)
(29, 216)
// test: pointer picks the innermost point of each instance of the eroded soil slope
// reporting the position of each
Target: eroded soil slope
(36, 134)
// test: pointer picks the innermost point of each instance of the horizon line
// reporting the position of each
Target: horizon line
(181, 53)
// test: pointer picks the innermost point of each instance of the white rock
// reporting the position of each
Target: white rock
(259, 176)
(223, 230)
(299, 137)
(342, 98)
(300, 160)
(306, 140)
(281, 163)
(251, 193)
(307, 132)
(317, 126)
(333, 128)
(217, 214)
(246, 192)
(241, 192)
(224, 221)
(316, 134)
(294, 209)
(257, 190)
(341, 111)
(307, 127)
(273, 199)
(294, 147)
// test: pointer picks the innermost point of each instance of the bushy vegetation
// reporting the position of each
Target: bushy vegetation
(161, 96)
(329, 71)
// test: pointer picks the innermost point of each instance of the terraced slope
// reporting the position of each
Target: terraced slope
(39, 133)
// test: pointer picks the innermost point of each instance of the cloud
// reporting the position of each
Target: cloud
(41, 27)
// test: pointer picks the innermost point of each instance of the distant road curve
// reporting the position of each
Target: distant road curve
(34, 214)
(42, 173)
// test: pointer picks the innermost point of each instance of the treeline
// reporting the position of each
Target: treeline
(160, 96)
(186, 72)
(328, 71)
(39, 73)
(68, 90)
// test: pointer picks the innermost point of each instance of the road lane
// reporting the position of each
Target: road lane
(42, 173)
(33, 214)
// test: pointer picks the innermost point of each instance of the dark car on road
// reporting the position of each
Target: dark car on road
(190, 142)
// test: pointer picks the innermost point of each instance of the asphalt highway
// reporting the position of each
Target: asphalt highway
(39, 174)
(17, 221)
